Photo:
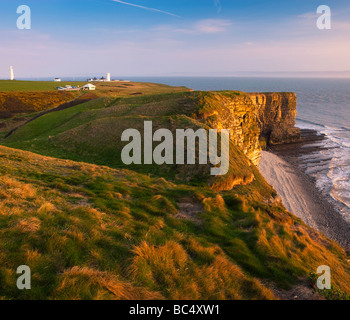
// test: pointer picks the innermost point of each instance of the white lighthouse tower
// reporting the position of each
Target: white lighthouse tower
(12, 75)
(108, 77)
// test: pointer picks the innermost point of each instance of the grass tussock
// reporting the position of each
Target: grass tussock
(169, 268)
(96, 285)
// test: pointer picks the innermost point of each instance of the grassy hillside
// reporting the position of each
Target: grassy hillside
(91, 232)
(91, 133)
(23, 100)
(91, 228)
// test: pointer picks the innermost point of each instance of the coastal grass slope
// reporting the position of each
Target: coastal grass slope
(91, 228)
(92, 232)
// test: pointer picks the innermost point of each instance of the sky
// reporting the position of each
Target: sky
(172, 38)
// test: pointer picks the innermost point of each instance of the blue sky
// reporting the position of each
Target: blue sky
(172, 37)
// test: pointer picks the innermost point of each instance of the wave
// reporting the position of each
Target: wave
(299, 122)
(330, 166)
(345, 128)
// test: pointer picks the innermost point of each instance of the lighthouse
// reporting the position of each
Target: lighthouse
(12, 76)
(108, 77)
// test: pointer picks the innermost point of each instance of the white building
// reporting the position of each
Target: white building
(57, 80)
(89, 86)
(12, 75)
(107, 79)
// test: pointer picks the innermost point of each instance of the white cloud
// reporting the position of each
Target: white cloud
(207, 26)
(212, 26)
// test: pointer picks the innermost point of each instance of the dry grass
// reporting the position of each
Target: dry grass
(28, 225)
(12, 188)
(47, 207)
(97, 285)
(168, 268)
(300, 250)
(24, 102)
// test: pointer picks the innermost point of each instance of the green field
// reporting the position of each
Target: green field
(107, 88)
(7, 85)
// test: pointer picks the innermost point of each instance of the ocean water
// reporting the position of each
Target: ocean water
(323, 105)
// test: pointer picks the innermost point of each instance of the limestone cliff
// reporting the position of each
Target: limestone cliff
(234, 111)
(255, 119)
(276, 116)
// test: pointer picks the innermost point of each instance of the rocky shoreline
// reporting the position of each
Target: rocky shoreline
(320, 211)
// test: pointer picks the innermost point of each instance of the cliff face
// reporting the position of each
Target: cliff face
(234, 111)
(276, 116)
(254, 119)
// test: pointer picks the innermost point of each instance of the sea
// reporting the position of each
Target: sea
(323, 105)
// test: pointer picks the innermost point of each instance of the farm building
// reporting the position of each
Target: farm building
(89, 86)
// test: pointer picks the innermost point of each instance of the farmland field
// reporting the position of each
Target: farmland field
(7, 85)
